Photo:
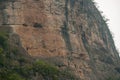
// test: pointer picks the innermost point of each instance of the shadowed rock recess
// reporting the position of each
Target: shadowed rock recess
(71, 34)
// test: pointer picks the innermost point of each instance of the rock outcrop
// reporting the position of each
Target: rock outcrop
(69, 33)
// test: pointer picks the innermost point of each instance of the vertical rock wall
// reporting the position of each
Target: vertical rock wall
(70, 33)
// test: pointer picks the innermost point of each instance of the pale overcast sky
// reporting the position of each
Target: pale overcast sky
(111, 9)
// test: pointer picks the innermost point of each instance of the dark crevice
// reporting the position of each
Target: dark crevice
(117, 69)
(37, 25)
(64, 29)
(84, 39)
(89, 51)
(66, 37)
(7, 0)
(66, 11)
(72, 3)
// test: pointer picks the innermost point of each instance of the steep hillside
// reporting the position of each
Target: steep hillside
(16, 64)
(71, 34)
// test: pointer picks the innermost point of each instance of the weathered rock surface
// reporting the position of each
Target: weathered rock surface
(70, 33)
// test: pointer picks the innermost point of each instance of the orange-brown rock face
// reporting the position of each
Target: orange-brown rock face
(71, 32)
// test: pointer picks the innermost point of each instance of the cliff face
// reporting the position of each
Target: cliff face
(69, 33)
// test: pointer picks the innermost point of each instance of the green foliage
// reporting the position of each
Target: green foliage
(113, 78)
(7, 74)
(15, 76)
(2, 56)
(3, 39)
(15, 51)
(26, 70)
(46, 69)
(1, 51)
